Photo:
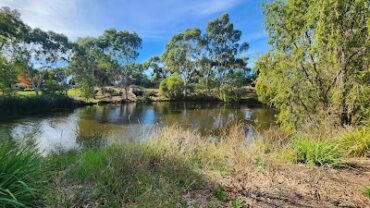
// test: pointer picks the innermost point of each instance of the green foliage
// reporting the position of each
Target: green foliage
(34, 104)
(224, 44)
(172, 86)
(231, 94)
(237, 203)
(8, 75)
(356, 143)
(220, 194)
(131, 174)
(366, 192)
(317, 68)
(22, 178)
(316, 152)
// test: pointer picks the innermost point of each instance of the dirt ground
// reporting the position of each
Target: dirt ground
(294, 186)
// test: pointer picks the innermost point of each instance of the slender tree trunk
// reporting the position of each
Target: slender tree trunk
(185, 89)
(207, 85)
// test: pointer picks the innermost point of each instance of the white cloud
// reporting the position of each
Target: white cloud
(151, 19)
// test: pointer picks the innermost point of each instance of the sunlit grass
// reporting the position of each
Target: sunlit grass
(74, 92)
(317, 152)
(356, 142)
(173, 163)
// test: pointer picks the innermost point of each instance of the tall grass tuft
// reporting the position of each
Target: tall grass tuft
(356, 143)
(318, 152)
(22, 179)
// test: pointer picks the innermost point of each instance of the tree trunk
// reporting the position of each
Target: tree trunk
(207, 85)
(185, 92)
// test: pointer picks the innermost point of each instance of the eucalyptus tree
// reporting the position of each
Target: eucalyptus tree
(42, 51)
(182, 55)
(12, 30)
(225, 47)
(158, 72)
(12, 33)
(122, 47)
(84, 64)
(319, 61)
(206, 61)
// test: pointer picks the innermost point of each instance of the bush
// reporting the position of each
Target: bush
(317, 152)
(172, 86)
(356, 143)
(22, 180)
(34, 104)
(230, 94)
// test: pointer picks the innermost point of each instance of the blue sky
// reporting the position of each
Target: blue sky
(154, 20)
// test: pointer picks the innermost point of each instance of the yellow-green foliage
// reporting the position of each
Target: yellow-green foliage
(317, 152)
(356, 143)
(171, 86)
(304, 74)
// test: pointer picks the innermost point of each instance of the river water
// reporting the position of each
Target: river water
(97, 125)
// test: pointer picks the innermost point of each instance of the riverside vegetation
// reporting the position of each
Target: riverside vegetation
(180, 168)
(316, 74)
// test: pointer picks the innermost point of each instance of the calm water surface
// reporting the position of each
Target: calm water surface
(131, 122)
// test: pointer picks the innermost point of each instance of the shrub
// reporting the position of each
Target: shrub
(22, 179)
(32, 104)
(172, 86)
(230, 94)
(317, 152)
(356, 143)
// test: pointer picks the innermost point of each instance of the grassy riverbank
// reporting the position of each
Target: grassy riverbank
(179, 168)
(35, 104)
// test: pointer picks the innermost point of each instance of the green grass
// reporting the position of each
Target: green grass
(131, 175)
(158, 173)
(22, 180)
(356, 143)
(317, 152)
(27, 93)
(74, 92)
(366, 191)
(220, 194)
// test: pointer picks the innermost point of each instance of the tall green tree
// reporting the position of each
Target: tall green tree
(225, 47)
(12, 30)
(8, 74)
(182, 55)
(42, 51)
(84, 64)
(319, 61)
(122, 47)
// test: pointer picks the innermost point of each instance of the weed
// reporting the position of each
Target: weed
(356, 143)
(366, 192)
(220, 194)
(317, 152)
(237, 203)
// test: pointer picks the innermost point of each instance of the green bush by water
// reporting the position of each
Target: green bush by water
(33, 104)
(172, 86)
